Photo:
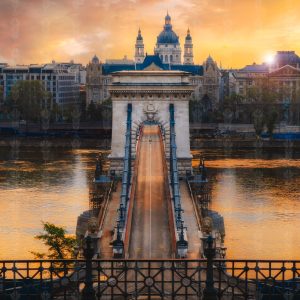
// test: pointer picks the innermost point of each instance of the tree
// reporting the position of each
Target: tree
(100, 112)
(1, 94)
(60, 245)
(271, 117)
(30, 97)
(258, 121)
(92, 113)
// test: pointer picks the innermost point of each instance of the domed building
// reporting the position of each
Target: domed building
(167, 56)
(167, 45)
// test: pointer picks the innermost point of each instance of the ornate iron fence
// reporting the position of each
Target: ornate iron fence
(149, 279)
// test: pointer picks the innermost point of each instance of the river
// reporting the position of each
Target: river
(257, 192)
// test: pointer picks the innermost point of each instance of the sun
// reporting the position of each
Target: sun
(269, 59)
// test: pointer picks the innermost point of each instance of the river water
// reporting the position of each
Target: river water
(257, 192)
(49, 186)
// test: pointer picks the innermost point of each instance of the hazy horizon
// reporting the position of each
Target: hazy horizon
(235, 33)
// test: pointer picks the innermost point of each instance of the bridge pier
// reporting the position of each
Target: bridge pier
(151, 97)
(150, 93)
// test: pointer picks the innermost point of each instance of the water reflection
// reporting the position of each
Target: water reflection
(34, 189)
(259, 198)
(257, 192)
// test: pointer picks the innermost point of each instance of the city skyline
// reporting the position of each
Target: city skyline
(233, 33)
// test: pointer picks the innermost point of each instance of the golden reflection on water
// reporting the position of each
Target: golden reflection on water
(258, 195)
(33, 190)
(259, 199)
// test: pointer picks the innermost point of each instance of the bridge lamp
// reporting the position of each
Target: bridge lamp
(88, 292)
(209, 247)
(88, 247)
(209, 292)
(118, 244)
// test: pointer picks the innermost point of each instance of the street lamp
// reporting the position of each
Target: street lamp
(182, 243)
(118, 244)
(88, 292)
(209, 245)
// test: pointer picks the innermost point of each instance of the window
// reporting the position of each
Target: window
(171, 58)
(166, 58)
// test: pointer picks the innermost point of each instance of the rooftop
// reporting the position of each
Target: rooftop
(255, 68)
(149, 60)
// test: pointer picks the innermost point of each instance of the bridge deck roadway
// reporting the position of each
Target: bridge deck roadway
(150, 233)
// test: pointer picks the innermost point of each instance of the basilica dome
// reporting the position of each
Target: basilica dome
(167, 36)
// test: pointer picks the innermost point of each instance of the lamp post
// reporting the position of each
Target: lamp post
(178, 211)
(182, 243)
(118, 244)
(88, 292)
(121, 211)
(209, 293)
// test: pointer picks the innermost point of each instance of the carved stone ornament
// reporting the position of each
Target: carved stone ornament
(92, 225)
(150, 109)
(207, 225)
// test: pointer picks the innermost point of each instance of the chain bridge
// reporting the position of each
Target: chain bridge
(149, 233)
(151, 153)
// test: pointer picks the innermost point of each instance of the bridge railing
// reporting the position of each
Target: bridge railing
(182, 243)
(127, 233)
(118, 243)
(160, 279)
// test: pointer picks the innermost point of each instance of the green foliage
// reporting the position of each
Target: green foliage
(30, 98)
(60, 245)
(258, 121)
(271, 118)
(266, 99)
(232, 101)
(1, 93)
(99, 112)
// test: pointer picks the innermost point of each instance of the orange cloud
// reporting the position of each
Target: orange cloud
(232, 31)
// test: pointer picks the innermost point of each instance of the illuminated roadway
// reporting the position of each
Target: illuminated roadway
(150, 233)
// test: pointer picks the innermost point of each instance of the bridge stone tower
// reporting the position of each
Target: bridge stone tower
(150, 93)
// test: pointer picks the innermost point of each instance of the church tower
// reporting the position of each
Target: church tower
(167, 45)
(188, 57)
(94, 82)
(139, 49)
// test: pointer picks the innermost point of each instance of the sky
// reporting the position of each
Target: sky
(233, 32)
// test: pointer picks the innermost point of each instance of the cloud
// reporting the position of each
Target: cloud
(236, 32)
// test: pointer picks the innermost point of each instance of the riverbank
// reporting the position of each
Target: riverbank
(240, 143)
(104, 143)
(55, 142)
